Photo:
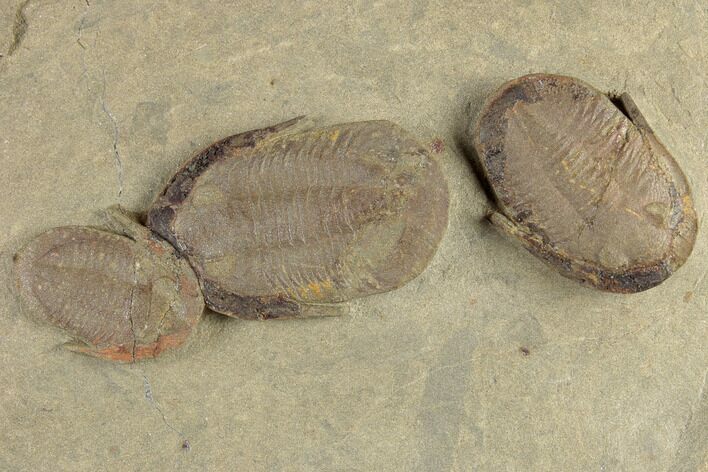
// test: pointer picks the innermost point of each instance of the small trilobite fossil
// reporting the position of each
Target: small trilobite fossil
(121, 296)
(274, 224)
(582, 181)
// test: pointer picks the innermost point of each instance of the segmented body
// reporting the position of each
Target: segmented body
(595, 189)
(121, 299)
(315, 217)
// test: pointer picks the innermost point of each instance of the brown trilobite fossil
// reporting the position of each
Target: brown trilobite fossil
(277, 223)
(582, 181)
(274, 223)
(121, 296)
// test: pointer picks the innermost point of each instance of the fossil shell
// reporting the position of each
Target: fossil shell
(274, 221)
(121, 299)
(582, 181)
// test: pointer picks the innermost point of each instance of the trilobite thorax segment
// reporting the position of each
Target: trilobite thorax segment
(318, 216)
(123, 299)
(569, 166)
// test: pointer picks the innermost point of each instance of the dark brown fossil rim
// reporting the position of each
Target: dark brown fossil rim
(161, 216)
(633, 279)
(158, 219)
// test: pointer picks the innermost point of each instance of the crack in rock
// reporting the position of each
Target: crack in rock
(130, 310)
(150, 398)
(78, 39)
(118, 161)
(84, 67)
(19, 28)
(116, 137)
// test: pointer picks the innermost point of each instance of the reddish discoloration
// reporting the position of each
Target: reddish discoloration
(156, 247)
(112, 353)
(122, 298)
(124, 353)
(437, 146)
(189, 286)
(163, 343)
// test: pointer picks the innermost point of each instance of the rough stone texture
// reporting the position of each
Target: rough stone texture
(487, 361)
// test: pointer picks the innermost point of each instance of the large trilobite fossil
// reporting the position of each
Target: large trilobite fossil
(583, 182)
(276, 222)
(271, 223)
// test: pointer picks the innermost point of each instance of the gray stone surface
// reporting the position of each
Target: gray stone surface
(487, 361)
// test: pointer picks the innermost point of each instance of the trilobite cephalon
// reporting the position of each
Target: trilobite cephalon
(121, 296)
(274, 223)
(582, 181)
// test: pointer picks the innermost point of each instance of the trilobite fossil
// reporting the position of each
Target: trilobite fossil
(121, 296)
(581, 180)
(271, 223)
(278, 223)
